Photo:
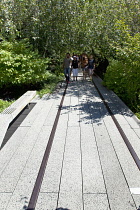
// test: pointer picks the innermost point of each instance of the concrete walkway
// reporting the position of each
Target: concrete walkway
(89, 167)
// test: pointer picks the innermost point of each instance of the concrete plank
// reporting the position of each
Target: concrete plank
(71, 189)
(137, 131)
(23, 200)
(116, 185)
(121, 119)
(133, 122)
(137, 200)
(86, 167)
(51, 181)
(133, 138)
(4, 199)
(11, 146)
(124, 157)
(52, 113)
(5, 119)
(64, 114)
(70, 200)
(122, 152)
(74, 105)
(104, 115)
(96, 202)
(93, 181)
(52, 174)
(29, 120)
(73, 118)
(85, 117)
(47, 201)
(26, 181)
(74, 112)
(135, 191)
(21, 156)
(63, 120)
(51, 116)
(13, 110)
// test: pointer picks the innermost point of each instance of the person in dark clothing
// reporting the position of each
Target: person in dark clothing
(84, 64)
(75, 68)
(100, 70)
(91, 66)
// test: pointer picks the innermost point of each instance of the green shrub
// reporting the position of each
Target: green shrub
(123, 73)
(4, 104)
(20, 65)
(123, 78)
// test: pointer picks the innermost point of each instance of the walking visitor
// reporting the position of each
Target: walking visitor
(75, 68)
(67, 66)
(84, 64)
(91, 66)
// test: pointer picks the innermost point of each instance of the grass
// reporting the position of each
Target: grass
(48, 88)
(50, 85)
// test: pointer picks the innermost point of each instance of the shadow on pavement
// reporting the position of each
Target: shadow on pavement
(91, 107)
(62, 209)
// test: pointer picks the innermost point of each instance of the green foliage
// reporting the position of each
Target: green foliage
(50, 85)
(4, 104)
(20, 65)
(138, 114)
(123, 74)
(109, 27)
(123, 78)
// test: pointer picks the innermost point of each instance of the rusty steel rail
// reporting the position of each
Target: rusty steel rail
(39, 179)
(129, 146)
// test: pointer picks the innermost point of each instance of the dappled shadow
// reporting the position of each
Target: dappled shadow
(62, 208)
(91, 107)
(85, 98)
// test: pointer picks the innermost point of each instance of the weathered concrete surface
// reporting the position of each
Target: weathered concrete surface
(89, 167)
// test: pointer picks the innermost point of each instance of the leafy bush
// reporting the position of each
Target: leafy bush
(123, 79)
(20, 65)
(123, 73)
(4, 104)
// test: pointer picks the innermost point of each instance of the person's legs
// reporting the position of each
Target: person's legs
(67, 74)
(69, 70)
(76, 74)
(90, 73)
(83, 69)
(73, 74)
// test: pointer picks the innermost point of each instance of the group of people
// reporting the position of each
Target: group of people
(71, 64)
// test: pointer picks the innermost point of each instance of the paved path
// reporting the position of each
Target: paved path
(89, 167)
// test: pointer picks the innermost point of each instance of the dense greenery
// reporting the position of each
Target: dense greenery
(20, 65)
(4, 104)
(123, 73)
(107, 28)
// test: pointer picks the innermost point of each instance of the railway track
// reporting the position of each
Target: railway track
(39, 179)
(129, 146)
